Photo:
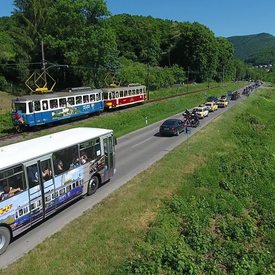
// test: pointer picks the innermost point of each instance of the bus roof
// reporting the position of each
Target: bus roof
(30, 149)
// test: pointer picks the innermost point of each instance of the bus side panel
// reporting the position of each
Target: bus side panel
(15, 212)
(67, 187)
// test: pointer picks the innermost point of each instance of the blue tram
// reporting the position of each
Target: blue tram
(39, 109)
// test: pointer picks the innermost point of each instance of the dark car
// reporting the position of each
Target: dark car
(212, 99)
(171, 127)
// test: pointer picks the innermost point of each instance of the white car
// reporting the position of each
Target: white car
(202, 112)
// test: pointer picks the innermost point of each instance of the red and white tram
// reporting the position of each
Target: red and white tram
(115, 97)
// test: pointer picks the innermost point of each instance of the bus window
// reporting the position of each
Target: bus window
(78, 99)
(33, 177)
(89, 150)
(71, 100)
(12, 181)
(46, 170)
(45, 104)
(37, 106)
(53, 103)
(62, 102)
(65, 159)
(86, 99)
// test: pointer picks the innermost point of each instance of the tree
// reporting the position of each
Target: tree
(196, 50)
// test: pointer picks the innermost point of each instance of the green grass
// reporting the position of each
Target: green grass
(199, 215)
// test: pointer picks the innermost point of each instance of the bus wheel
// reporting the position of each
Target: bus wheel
(5, 238)
(93, 185)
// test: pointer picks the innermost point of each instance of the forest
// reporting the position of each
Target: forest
(85, 45)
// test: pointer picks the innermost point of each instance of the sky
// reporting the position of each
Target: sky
(224, 17)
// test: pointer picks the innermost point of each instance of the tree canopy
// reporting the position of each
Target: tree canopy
(83, 43)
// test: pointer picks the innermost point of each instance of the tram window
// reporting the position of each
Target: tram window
(117, 94)
(53, 103)
(105, 95)
(45, 104)
(12, 181)
(121, 94)
(133, 92)
(125, 93)
(86, 99)
(20, 212)
(129, 92)
(92, 98)
(30, 107)
(71, 100)
(78, 99)
(97, 97)
(137, 91)
(113, 95)
(37, 106)
(62, 102)
(61, 191)
(20, 107)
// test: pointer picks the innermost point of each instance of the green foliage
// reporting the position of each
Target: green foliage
(222, 219)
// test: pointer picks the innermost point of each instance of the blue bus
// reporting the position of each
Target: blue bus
(39, 109)
(42, 175)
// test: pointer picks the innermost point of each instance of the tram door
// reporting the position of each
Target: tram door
(41, 188)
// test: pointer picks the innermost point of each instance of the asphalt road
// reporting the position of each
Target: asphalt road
(134, 153)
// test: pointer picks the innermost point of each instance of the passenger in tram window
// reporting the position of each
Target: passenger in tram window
(92, 98)
(97, 97)
(45, 105)
(86, 99)
(62, 102)
(78, 100)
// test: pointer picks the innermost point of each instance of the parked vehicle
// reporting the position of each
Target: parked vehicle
(171, 127)
(211, 106)
(202, 112)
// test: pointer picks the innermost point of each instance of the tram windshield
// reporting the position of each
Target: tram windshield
(17, 106)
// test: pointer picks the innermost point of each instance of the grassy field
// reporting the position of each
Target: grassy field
(212, 212)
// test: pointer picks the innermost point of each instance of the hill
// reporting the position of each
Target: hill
(254, 49)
